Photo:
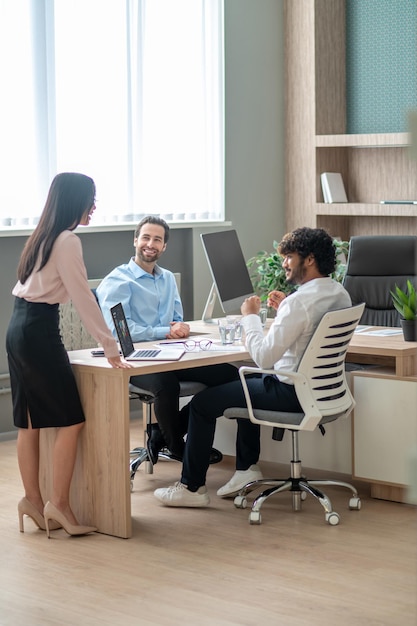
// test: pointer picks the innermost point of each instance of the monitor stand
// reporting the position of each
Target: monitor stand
(207, 316)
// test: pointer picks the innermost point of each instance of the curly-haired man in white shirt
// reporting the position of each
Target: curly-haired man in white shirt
(309, 257)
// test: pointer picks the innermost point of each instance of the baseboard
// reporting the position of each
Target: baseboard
(8, 436)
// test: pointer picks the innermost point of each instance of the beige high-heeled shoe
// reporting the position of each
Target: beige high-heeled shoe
(25, 507)
(50, 512)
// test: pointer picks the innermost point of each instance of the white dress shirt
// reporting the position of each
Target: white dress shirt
(296, 320)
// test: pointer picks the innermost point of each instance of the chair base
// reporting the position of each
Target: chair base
(140, 455)
(299, 487)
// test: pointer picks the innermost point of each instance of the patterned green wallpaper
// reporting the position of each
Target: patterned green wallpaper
(381, 64)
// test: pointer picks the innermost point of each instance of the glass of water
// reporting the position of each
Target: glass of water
(237, 321)
(226, 331)
(263, 314)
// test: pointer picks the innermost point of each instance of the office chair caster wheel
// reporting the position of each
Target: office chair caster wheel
(355, 504)
(240, 502)
(148, 467)
(303, 495)
(255, 517)
(332, 518)
(131, 485)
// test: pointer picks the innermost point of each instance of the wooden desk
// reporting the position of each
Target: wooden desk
(372, 417)
(389, 351)
(100, 490)
(384, 432)
(101, 485)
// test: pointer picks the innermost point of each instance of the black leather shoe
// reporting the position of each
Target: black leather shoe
(154, 444)
(152, 452)
(215, 456)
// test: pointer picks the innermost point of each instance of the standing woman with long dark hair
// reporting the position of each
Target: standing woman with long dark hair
(52, 271)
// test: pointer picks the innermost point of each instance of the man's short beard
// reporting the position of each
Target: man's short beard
(298, 275)
(142, 257)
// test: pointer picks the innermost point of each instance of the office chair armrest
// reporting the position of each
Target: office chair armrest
(312, 415)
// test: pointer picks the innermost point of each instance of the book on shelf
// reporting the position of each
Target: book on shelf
(333, 187)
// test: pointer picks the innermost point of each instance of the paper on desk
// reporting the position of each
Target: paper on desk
(381, 332)
(362, 329)
(216, 346)
(169, 342)
(220, 347)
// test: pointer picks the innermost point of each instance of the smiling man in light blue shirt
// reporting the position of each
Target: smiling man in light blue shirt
(151, 301)
(153, 310)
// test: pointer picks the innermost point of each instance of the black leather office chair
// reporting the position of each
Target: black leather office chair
(139, 455)
(375, 265)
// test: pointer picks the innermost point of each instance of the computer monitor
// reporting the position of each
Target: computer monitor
(231, 280)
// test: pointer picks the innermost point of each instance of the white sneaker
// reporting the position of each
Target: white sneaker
(239, 479)
(179, 495)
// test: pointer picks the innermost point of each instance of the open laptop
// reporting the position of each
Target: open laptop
(142, 354)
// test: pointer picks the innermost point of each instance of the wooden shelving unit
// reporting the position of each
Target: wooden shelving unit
(373, 140)
(356, 209)
(374, 167)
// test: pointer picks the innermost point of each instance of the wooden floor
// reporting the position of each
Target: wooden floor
(210, 567)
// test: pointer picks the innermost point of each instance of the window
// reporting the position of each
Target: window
(129, 92)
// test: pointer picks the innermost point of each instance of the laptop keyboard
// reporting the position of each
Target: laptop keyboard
(145, 353)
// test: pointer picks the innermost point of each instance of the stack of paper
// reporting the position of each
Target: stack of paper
(333, 187)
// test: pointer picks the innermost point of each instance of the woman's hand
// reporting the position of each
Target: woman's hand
(118, 363)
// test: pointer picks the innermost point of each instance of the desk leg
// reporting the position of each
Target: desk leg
(406, 366)
(100, 490)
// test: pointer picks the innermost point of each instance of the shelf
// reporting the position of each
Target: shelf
(376, 140)
(357, 209)
(374, 166)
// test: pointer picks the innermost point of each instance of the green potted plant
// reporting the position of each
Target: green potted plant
(267, 273)
(405, 304)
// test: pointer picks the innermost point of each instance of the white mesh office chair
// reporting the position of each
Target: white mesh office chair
(322, 390)
(74, 335)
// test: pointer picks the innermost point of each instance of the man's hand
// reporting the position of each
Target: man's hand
(179, 330)
(275, 298)
(251, 305)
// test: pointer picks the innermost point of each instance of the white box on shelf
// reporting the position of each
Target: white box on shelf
(333, 187)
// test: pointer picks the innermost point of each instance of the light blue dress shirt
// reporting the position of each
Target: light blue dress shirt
(150, 301)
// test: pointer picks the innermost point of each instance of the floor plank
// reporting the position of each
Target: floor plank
(211, 567)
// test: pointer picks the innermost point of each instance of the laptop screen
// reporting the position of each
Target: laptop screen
(122, 329)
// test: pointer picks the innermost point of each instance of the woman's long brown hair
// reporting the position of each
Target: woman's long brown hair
(70, 196)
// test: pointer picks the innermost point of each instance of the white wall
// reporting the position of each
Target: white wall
(254, 168)
(332, 452)
(254, 125)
